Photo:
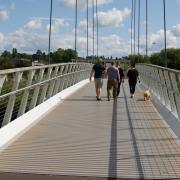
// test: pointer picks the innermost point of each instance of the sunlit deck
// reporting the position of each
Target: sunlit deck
(87, 139)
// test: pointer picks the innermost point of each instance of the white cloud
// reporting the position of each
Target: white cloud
(5, 11)
(81, 3)
(112, 18)
(4, 15)
(113, 45)
(57, 24)
(33, 24)
(156, 40)
(176, 30)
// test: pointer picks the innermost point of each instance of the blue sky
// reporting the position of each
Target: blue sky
(24, 25)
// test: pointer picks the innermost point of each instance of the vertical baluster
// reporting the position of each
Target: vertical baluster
(2, 79)
(166, 100)
(36, 90)
(45, 87)
(69, 77)
(26, 93)
(170, 92)
(63, 80)
(158, 89)
(174, 81)
(52, 83)
(58, 81)
(12, 98)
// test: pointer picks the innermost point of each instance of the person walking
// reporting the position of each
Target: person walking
(113, 79)
(121, 73)
(133, 76)
(98, 70)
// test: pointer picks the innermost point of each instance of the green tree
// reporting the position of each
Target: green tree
(5, 63)
(6, 54)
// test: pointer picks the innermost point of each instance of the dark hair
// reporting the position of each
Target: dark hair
(132, 64)
(112, 63)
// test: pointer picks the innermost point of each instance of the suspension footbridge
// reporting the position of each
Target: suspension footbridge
(53, 127)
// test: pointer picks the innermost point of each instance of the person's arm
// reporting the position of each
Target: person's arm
(122, 75)
(118, 75)
(91, 74)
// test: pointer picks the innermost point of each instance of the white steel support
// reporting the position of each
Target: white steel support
(52, 83)
(164, 88)
(12, 98)
(176, 93)
(26, 94)
(2, 79)
(58, 81)
(170, 93)
(36, 90)
(45, 87)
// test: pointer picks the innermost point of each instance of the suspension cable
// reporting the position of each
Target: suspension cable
(87, 2)
(132, 7)
(76, 30)
(50, 20)
(139, 20)
(146, 28)
(93, 26)
(165, 53)
(134, 27)
(97, 28)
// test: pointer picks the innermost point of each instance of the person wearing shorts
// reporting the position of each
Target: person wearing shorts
(98, 70)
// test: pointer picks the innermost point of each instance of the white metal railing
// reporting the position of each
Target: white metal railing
(22, 89)
(164, 83)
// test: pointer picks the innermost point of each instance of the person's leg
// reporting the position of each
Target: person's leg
(96, 87)
(131, 88)
(118, 89)
(99, 87)
(109, 87)
(115, 89)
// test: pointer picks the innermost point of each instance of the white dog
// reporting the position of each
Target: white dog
(146, 95)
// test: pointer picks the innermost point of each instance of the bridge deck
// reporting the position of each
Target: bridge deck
(85, 139)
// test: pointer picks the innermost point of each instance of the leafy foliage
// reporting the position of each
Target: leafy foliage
(15, 59)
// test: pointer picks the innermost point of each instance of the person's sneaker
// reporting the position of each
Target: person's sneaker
(99, 99)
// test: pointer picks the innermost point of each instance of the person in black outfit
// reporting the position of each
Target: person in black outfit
(133, 76)
(121, 73)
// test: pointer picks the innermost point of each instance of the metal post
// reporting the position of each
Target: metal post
(93, 27)
(50, 20)
(97, 27)
(76, 30)
(139, 15)
(87, 29)
(146, 28)
(134, 27)
(132, 24)
(165, 53)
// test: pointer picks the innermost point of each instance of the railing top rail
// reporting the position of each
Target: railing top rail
(8, 71)
(160, 67)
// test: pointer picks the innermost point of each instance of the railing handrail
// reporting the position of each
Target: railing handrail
(160, 67)
(37, 84)
(9, 71)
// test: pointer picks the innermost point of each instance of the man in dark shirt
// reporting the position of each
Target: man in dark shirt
(98, 70)
(133, 76)
(121, 73)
